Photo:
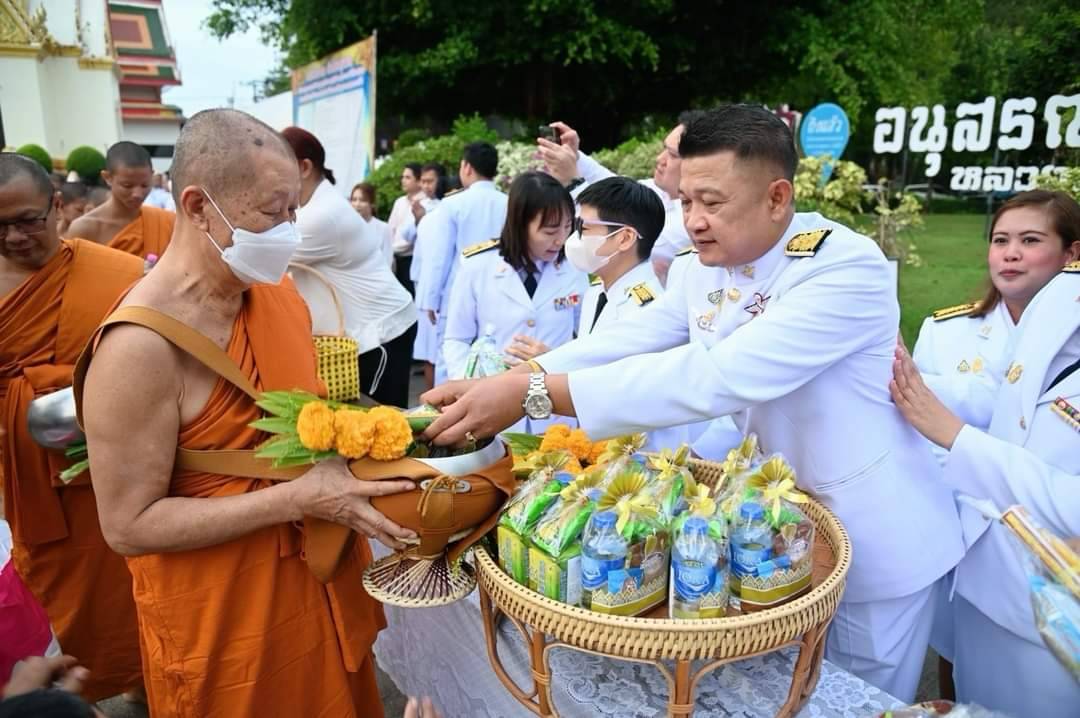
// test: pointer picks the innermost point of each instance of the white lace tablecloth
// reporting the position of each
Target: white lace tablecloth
(441, 652)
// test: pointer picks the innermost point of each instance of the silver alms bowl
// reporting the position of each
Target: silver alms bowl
(51, 420)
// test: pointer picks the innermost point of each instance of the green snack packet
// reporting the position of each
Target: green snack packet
(562, 525)
(673, 478)
(537, 493)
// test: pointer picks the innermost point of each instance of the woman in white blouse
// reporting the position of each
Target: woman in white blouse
(379, 313)
(362, 200)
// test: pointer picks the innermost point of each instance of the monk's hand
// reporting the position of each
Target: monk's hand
(421, 709)
(919, 405)
(330, 492)
(476, 409)
(525, 348)
(37, 673)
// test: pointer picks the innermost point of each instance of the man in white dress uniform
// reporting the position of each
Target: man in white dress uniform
(464, 219)
(790, 320)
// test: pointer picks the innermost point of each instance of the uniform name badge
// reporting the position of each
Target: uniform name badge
(1067, 412)
(568, 302)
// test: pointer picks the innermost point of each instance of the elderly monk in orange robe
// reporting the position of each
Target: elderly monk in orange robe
(53, 294)
(232, 621)
(124, 222)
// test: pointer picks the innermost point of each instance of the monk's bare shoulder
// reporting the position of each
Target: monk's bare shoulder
(88, 227)
(138, 358)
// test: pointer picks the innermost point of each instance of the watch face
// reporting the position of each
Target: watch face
(538, 406)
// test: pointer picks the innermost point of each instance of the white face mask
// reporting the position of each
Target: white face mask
(582, 250)
(258, 257)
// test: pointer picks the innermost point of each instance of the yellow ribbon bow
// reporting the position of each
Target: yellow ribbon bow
(776, 481)
(549, 461)
(701, 503)
(622, 446)
(669, 462)
(628, 507)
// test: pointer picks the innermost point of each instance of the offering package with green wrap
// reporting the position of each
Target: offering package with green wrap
(673, 476)
(631, 578)
(525, 509)
(700, 576)
(555, 556)
(621, 454)
(771, 539)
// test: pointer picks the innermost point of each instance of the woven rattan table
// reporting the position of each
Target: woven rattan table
(546, 624)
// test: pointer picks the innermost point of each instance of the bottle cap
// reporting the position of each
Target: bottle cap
(695, 526)
(605, 519)
(564, 477)
(751, 511)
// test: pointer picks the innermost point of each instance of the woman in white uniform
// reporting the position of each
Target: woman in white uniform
(1030, 455)
(519, 285)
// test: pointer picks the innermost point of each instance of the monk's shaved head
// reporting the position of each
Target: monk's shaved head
(126, 154)
(15, 166)
(219, 150)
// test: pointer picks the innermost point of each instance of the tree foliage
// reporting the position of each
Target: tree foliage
(613, 68)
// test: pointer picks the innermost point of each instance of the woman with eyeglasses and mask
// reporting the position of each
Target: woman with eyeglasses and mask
(1021, 447)
(519, 287)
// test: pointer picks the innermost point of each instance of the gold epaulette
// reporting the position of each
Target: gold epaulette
(1072, 267)
(474, 249)
(685, 250)
(641, 294)
(959, 310)
(806, 244)
(596, 282)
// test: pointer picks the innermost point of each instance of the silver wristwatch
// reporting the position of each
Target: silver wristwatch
(537, 403)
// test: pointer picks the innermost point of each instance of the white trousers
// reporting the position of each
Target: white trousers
(1001, 671)
(884, 642)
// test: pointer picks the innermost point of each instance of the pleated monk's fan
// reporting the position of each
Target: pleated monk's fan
(456, 502)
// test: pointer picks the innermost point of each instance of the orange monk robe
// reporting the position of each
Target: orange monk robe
(243, 628)
(149, 233)
(58, 547)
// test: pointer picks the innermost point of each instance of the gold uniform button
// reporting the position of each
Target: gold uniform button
(531, 322)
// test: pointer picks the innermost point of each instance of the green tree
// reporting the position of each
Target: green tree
(600, 64)
(38, 154)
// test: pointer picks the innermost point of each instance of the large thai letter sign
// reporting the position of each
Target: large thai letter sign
(979, 127)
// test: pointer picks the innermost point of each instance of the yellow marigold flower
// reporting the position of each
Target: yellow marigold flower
(555, 438)
(579, 444)
(597, 449)
(315, 426)
(573, 466)
(393, 435)
(355, 433)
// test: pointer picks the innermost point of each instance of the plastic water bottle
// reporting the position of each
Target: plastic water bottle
(694, 559)
(751, 541)
(483, 355)
(603, 549)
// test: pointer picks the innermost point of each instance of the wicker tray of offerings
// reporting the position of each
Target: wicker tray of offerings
(682, 650)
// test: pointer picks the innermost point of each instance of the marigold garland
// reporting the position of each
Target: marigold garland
(315, 426)
(355, 433)
(392, 434)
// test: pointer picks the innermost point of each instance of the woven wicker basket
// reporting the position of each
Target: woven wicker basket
(546, 623)
(339, 367)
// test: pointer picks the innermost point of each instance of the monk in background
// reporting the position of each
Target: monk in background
(53, 294)
(123, 222)
(74, 203)
(232, 621)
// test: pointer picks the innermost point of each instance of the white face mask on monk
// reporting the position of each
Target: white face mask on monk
(258, 257)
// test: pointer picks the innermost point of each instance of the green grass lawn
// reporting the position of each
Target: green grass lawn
(953, 270)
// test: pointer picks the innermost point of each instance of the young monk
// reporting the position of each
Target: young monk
(74, 203)
(124, 222)
(53, 294)
(232, 621)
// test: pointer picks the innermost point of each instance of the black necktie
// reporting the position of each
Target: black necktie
(601, 302)
(1064, 374)
(530, 284)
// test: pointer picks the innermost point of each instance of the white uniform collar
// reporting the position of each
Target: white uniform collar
(620, 289)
